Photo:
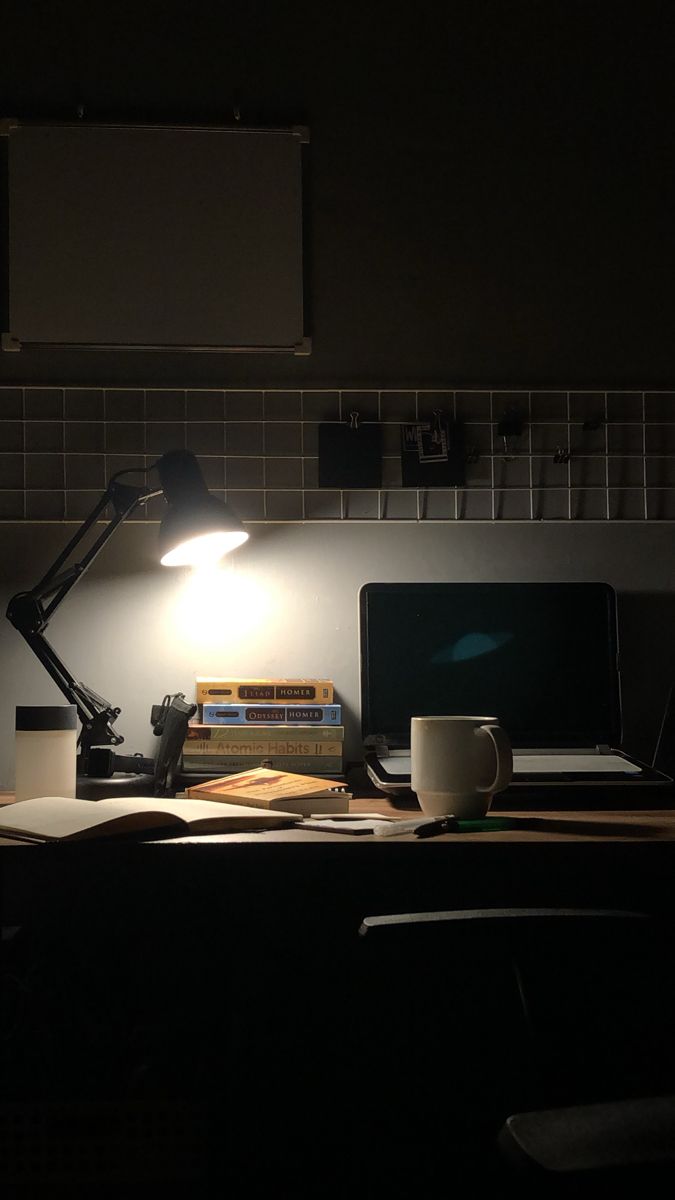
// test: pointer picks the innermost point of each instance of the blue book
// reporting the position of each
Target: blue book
(272, 714)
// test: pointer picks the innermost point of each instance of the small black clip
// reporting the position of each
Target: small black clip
(510, 425)
(562, 454)
(437, 431)
(159, 712)
(175, 716)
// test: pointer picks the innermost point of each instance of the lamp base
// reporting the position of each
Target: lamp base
(115, 785)
(102, 763)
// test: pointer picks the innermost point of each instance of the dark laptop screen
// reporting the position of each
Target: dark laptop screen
(542, 657)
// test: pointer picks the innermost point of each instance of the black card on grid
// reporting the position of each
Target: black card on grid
(432, 454)
(350, 456)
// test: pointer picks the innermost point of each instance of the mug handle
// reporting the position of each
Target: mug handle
(504, 754)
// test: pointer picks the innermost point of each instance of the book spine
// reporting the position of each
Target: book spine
(216, 734)
(216, 764)
(272, 714)
(262, 747)
(264, 691)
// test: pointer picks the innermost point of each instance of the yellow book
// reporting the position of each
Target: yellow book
(214, 690)
(262, 747)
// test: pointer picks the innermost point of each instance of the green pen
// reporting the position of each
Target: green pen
(433, 826)
(486, 824)
(451, 824)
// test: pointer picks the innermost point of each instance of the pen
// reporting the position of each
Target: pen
(424, 827)
(438, 825)
(452, 825)
(395, 828)
(488, 824)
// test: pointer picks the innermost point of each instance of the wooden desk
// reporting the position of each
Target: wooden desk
(608, 858)
(600, 858)
(610, 826)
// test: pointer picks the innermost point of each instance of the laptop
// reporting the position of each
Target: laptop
(541, 657)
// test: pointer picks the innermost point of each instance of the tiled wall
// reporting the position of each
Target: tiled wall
(582, 455)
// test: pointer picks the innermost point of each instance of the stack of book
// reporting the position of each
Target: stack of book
(284, 724)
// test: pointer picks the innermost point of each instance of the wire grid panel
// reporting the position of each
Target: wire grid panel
(531, 455)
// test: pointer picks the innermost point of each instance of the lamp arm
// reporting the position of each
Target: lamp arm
(96, 714)
(31, 611)
(57, 582)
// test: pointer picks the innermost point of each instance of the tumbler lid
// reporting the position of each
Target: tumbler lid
(46, 716)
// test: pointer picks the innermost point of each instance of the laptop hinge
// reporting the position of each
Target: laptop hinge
(602, 749)
(377, 741)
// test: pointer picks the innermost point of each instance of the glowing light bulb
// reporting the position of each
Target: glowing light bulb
(204, 550)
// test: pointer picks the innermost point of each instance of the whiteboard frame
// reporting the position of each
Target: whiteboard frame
(301, 346)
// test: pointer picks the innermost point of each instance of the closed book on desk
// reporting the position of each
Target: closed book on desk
(217, 765)
(62, 819)
(279, 791)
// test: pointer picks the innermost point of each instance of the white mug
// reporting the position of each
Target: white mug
(458, 764)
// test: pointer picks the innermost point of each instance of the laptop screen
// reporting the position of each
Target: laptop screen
(541, 657)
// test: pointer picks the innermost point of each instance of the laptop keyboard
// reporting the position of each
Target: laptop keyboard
(543, 764)
(575, 764)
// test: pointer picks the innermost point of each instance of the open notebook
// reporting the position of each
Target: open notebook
(541, 657)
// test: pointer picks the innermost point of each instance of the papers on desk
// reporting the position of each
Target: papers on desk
(376, 823)
(353, 823)
(421, 826)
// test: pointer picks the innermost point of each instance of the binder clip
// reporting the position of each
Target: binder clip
(350, 455)
(511, 425)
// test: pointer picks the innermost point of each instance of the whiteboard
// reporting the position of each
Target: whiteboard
(144, 237)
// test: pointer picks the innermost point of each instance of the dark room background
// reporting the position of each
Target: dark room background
(490, 184)
(489, 191)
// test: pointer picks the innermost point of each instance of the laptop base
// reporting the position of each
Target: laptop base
(651, 789)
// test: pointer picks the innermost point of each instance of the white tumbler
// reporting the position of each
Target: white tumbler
(45, 750)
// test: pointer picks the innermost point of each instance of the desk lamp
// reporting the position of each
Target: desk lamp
(196, 529)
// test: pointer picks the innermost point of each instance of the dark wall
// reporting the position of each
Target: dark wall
(490, 187)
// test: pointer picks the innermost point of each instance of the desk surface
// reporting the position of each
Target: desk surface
(616, 826)
(325, 883)
(648, 825)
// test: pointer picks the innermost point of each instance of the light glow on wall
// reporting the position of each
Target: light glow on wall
(217, 607)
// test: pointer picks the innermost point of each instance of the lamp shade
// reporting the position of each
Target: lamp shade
(197, 528)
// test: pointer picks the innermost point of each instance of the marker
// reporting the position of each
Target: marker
(438, 825)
